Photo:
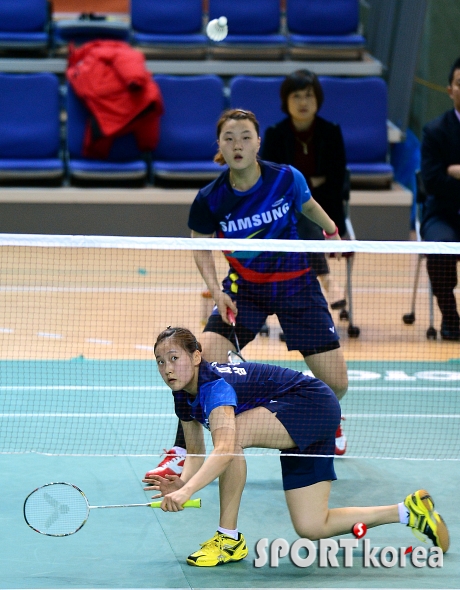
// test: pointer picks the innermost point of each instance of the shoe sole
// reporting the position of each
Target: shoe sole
(193, 563)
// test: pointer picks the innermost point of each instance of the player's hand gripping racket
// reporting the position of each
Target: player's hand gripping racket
(61, 509)
(234, 357)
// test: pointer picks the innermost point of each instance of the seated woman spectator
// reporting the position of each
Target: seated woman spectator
(315, 147)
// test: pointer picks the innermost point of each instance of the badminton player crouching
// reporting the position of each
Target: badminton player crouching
(255, 405)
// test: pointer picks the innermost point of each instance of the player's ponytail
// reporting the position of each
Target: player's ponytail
(184, 338)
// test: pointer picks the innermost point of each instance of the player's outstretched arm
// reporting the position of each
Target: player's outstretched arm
(222, 422)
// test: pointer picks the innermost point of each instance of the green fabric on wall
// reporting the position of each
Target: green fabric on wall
(440, 48)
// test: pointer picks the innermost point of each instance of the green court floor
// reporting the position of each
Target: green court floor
(403, 424)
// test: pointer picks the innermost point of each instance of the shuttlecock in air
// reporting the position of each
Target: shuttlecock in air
(217, 29)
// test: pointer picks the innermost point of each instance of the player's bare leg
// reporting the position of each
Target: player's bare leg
(330, 367)
(255, 428)
(313, 519)
(215, 347)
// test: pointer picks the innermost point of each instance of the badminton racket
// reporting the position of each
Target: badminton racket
(61, 509)
(234, 357)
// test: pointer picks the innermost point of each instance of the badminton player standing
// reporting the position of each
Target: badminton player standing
(257, 199)
(257, 405)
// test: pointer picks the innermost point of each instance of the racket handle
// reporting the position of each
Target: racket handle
(196, 503)
(231, 316)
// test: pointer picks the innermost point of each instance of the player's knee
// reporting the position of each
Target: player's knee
(309, 530)
(339, 386)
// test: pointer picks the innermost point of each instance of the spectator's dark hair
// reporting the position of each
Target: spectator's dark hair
(300, 80)
(184, 338)
(455, 66)
(235, 115)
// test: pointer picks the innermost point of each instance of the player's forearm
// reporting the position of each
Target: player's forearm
(316, 213)
(215, 465)
(204, 261)
(191, 466)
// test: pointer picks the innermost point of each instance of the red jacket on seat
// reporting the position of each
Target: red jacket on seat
(111, 79)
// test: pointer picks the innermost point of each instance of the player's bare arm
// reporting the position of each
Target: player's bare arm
(205, 263)
(316, 213)
(222, 424)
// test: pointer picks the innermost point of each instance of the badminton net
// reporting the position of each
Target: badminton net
(80, 316)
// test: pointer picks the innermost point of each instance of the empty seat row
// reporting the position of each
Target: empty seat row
(30, 128)
(174, 28)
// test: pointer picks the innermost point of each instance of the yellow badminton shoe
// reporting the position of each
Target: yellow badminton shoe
(424, 519)
(219, 550)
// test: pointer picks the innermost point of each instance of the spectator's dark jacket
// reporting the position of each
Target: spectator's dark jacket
(440, 149)
(279, 146)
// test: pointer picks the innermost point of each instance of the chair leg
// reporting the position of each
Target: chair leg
(353, 331)
(409, 318)
(431, 333)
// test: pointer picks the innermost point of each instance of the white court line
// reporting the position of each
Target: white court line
(165, 291)
(45, 289)
(49, 335)
(80, 415)
(83, 388)
(123, 415)
(164, 388)
(398, 389)
(454, 416)
(6, 331)
(99, 341)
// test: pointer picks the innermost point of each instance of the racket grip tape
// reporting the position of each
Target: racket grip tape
(231, 316)
(196, 503)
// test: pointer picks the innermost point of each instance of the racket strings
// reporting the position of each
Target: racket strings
(57, 510)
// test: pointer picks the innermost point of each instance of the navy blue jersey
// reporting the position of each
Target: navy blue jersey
(268, 210)
(243, 386)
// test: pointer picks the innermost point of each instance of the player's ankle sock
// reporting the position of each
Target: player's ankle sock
(179, 450)
(403, 513)
(229, 532)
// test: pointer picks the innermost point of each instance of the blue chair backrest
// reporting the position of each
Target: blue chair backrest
(167, 16)
(23, 15)
(193, 105)
(359, 105)
(254, 17)
(322, 17)
(29, 116)
(259, 95)
(123, 148)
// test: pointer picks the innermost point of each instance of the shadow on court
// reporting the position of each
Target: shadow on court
(145, 548)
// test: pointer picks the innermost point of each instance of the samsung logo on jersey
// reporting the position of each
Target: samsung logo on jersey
(255, 220)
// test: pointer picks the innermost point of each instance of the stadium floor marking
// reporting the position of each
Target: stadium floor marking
(125, 415)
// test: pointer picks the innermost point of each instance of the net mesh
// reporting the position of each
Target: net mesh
(80, 316)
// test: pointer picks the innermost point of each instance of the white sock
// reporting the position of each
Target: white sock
(403, 513)
(228, 532)
(179, 450)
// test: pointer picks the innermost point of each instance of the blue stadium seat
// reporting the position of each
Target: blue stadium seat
(261, 95)
(125, 162)
(89, 27)
(24, 25)
(359, 106)
(169, 29)
(253, 29)
(187, 146)
(30, 128)
(319, 29)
